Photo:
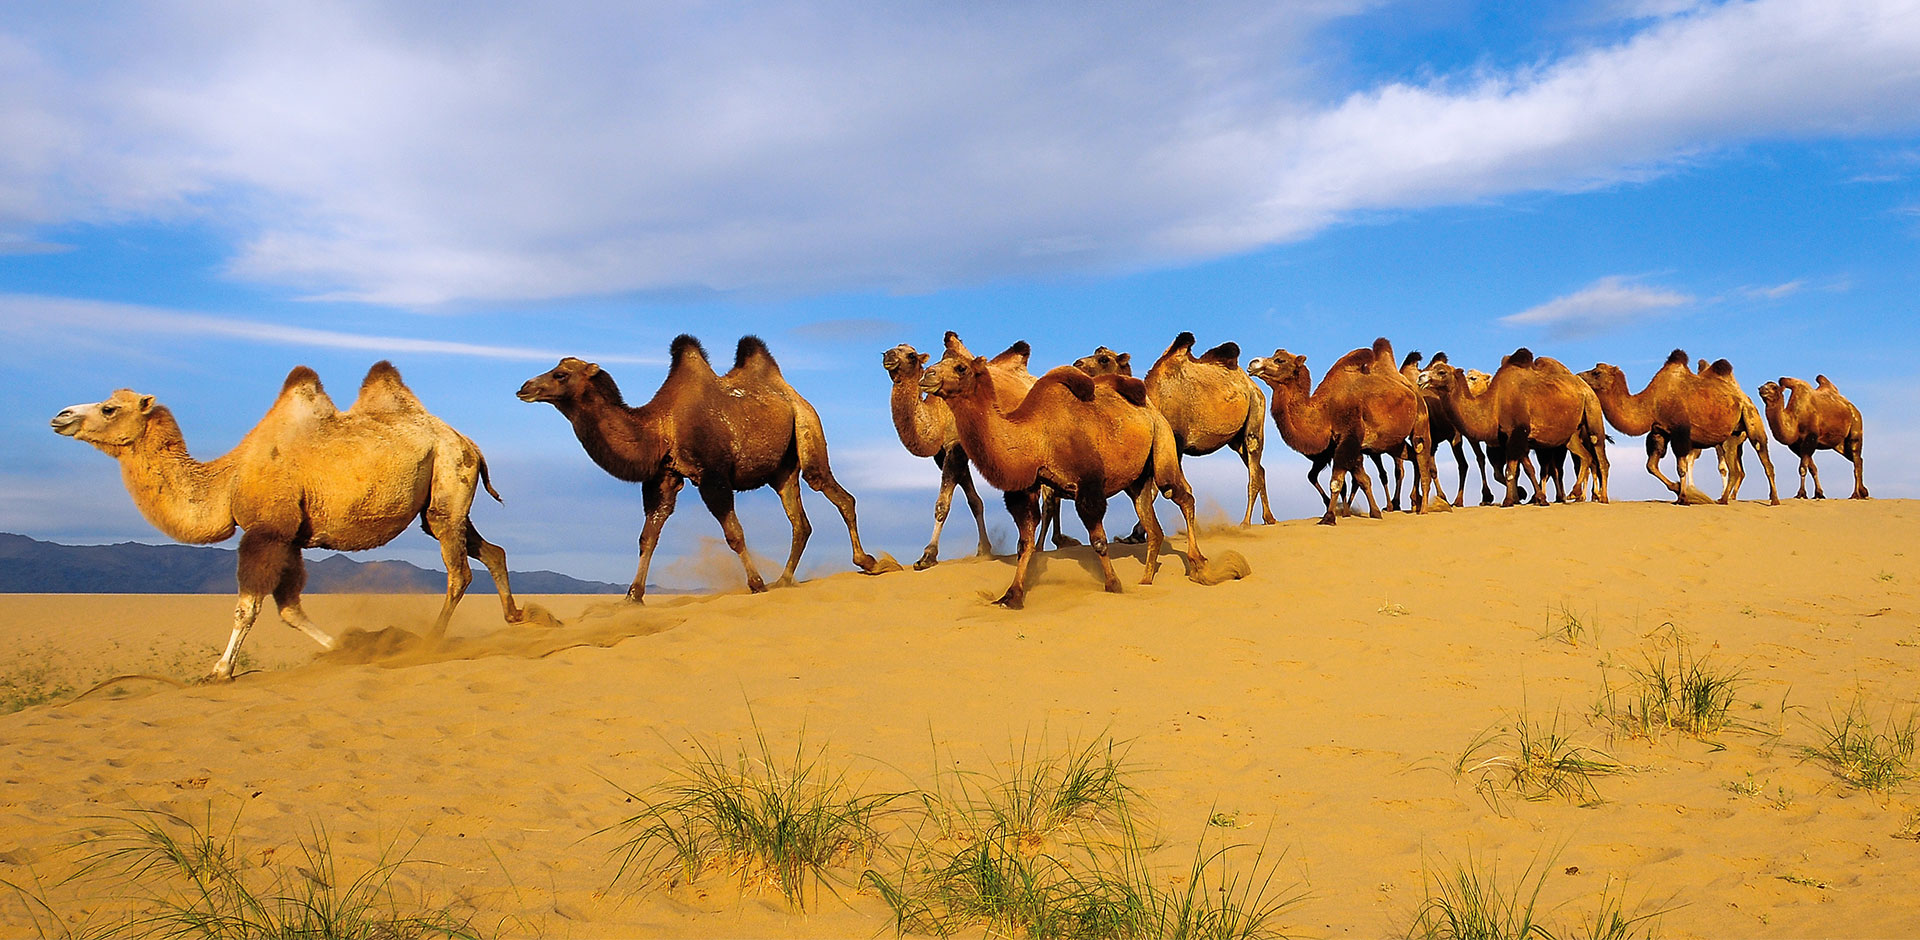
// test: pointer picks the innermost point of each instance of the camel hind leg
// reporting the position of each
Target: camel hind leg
(286, 594)
(1851, 449)
(1091, 506)
(262, 562)
(1142, 492)
(495, 559)
(1251, 445)
(1024, 507)
(819, 476)
(789, 489)
(453, 551)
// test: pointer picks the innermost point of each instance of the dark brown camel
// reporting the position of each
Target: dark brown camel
(1816, 417)
(724, 433)
(1208, 402)
(1688, 412)
(1087, 437)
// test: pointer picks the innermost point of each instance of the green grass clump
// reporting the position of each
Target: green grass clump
(766, 817)
(32, 683)
(1535, 760)
(1673, 690)
(1869, 758)
(1566, 626)
(1467, 900)
(1052, 846)
(189, 879)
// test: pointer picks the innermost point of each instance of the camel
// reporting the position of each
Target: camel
(1816, 417)
(926, 428)
(307, 476)
(1530, 404)
(1357, 409)
(1444, 431)
(1208, 402)
(724, 433)
(1088, 437)
(1015, 381)
(1690, 412)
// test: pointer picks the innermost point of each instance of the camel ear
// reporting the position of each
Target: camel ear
(922, 357)
(146, 404)
(1125, 359)
(592, 369)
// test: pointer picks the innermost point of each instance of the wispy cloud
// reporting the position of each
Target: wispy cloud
(22, 314)
(1775, 292)
(376, 152)
(1605, 304)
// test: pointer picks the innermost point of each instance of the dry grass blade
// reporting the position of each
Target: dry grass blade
(1534, 760)
(1872, 759)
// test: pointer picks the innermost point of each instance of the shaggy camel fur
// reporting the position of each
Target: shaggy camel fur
(1208, 402)
(307, 476)
(1530, 404)
(1357, 409)
(724, 433)
(1087, 437)
(1689, 412)
(1816, 417)
(926, 428)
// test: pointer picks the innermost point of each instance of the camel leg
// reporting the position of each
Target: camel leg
(1818, 491)
(262, 562)
(293, 579)
(1460, 458)
(1853, 447)
(1656, 451)
(1732, 469)
(1092, 509)
(495, 558)
(1365, 485)
(1393, 500)
(1050, 504)
(1024, 507)
(453, 552)
(1806, 464)
(1480, 457)
(949, 462)
(1336, 503)
(1314, 466)
(1251, 447)
(1142, 493)
(1685, 458)
(658, 495)
(822, 481)
(719, 500)
(789, 489)
(1766, 464)
(974, 503)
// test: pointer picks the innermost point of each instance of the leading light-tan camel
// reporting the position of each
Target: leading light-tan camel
(1208, 402)
(926, 428)
(724, 433)
(1688, 412)
(1087, 437)
(1358, 408)
(307, 476)
(1816, 417)
(1530, 404)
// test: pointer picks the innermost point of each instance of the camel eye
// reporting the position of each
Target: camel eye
(108, 410)
(962, 370)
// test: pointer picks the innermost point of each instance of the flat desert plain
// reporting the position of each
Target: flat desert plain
(1322, 706)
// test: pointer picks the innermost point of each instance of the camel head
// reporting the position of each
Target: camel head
(1606, 379)
(1280, 370)
(903, 363)
(112, 424)
(953, 377)
(1477, 381)
(565, 382)
(1770, 392)
(1444, 377)
(1105, 361)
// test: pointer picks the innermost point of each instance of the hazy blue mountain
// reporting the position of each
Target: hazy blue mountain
(30, 566)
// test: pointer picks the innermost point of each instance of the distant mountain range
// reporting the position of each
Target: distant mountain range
(30, 566)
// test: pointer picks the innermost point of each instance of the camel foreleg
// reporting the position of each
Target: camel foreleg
(1480, 457)
(1024, 507)
(719, 500)
(1091, 506)
(1050, 517)
(659, 496)
(1315, 464)
(286, 594)
(261, 564)
(949, 461)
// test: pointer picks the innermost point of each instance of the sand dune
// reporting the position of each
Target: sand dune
(1319, 699)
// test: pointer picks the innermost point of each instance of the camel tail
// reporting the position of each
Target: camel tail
(1225, 355)
(488, 483)
(751, 349)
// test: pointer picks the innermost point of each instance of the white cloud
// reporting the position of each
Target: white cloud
(26, 314)
(399, 155)
(1604, 304)
(1775, 292)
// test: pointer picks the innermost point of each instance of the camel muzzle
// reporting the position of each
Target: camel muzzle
(528, 393)
(66, 423)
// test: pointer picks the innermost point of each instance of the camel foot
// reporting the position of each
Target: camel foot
(882, 565)
(784, 581)
(1137, 537)
(1460, 501)
(1064, 541)
(757, 586)
(1774, 501)
(1113, 586)
(1326, 519)
(1859, 494)
(1014, 599)
(1226, 566)
(926, 561)
(1374, 513)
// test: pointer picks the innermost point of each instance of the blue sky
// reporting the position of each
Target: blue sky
(196, 196)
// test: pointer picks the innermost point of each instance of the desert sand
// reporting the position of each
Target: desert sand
(1319, 703)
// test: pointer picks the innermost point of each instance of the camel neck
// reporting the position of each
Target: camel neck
(1786, 425)
(1628, 412)
(1302, 421)
(622, 441)
(919, 420)
(1001, 449)
(1475, 415)
(190, 501)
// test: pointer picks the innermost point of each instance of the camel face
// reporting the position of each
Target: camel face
(903, 362)
(1770, 392)
(951, 378)
(564, 382)
(1105, 361)
(116, 422)
(1279, 370)
(1477, 381)
(1605, 379)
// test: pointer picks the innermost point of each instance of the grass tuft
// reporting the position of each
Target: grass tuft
(1673, 690)
(33, 682)
(1467, 901)
(1566, 626)
(1535, 760)
(1869, 758)
(772, 818)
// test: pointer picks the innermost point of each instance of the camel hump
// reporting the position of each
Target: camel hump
(1226, 355)
(753, 351)
(303, 378)
(383, 390)
(1824, 382)
(1184, 341)
(303, 393)
(1360, 360)
(1439, 358)
(1015, 355)
(954, 347)
(684, 345)
(1522, 358)
(1131, 389)
(1721, 368)
(1677, 358)
(1413, 359)
(1073, 380)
